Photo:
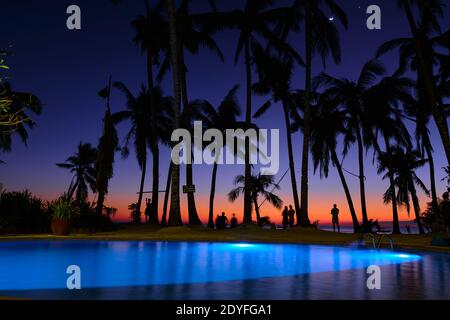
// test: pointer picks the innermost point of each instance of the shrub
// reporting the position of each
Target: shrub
(63, 209)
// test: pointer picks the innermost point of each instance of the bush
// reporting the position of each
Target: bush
(21, 212)
(64, 209)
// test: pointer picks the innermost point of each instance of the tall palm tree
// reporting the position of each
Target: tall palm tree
(175, 213)
(222, 118)
(253, 24)
(260, 185)
(428, 11)
(384, 117)
(107, 147)
(405, 163)
(275, 76)
(151, 35)
(82, 166)
(351, 97)
(138, 113)
(322, 38)
(328, 122)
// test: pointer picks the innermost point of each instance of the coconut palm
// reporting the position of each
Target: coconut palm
(107, 147)
(404, 164)
(175, 213)
(328, 123)
(351, 95)
(221, 118)
(428, 13)
(253, 24)
(82, 166)
(138, 114)
(275, 76)
(322, 38)
(260, 185)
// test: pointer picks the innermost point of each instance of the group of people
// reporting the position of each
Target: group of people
(222, 221)
(444, 210)
(288, 217)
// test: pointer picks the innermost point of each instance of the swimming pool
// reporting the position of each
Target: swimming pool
(195, 270)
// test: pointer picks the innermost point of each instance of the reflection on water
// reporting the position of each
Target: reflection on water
(162, 270)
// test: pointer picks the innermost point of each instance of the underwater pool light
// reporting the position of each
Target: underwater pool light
(243, 245)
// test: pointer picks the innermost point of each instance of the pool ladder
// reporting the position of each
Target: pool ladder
(377, 242)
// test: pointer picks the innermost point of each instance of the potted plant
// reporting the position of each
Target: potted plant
(63, 211)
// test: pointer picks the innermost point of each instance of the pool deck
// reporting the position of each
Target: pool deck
(240, 234)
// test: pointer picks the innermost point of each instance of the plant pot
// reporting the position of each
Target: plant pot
(61, 227)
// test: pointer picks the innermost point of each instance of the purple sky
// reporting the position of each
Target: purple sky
(66, 69)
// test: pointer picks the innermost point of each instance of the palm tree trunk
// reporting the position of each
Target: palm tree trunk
(362, 177)
(304, 218)
(211, 197)
(153, 218)
(175, 212)
(291, 159)
(429, 151)
(258, 215)
(166, 196)
(192, 210)
(248, 116)
(395, 220)
(430, 87)
(356, 227)
(141, 187)
(416, 206)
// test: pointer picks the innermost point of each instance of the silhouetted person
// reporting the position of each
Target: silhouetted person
(444, 208)
(285, 216)
(233, 222)
(217, 221)
(335, 218)
(148, 205)
(222, 221)
(291, 214)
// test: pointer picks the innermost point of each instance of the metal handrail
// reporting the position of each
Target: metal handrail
(377, 242)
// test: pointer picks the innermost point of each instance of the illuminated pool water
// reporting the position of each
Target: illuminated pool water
(150, 269)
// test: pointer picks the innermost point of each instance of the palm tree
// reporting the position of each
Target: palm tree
(16, 106)
(428, 10)
(404, 164)
(260, 184)
(321, 37)
(175, 213)
(384, 118)
(107, 148)
(328, 122)
(351, 96)
(82, 166)
(138, 113)
(222, 118)
(151, 34)
(275, 76)
(252, 22)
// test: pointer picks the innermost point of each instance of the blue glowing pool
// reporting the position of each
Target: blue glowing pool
(182, 270)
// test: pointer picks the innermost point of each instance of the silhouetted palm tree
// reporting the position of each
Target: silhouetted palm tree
(404, 164)
(351, 96)
(275, 76)
(222, 118)
(428, 13)
(253, 23)
(322, 38)
(107, 147)
(82, 166)
(260, 185)
(328, 122)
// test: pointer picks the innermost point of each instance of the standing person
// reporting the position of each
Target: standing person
(444, 208)
(335, 218)
(148, 204)
(233, 222)
(285, 216)
(291, 214)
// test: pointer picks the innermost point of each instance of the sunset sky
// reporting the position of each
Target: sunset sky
(66, 69)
